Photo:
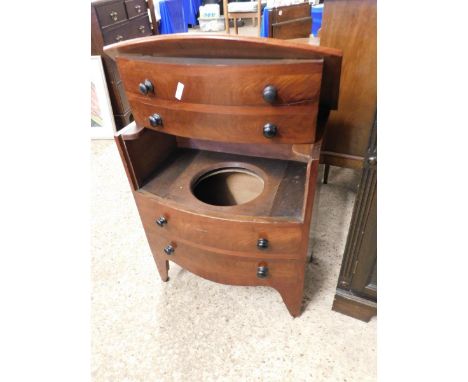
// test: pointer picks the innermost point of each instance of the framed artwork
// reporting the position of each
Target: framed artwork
(102, 118)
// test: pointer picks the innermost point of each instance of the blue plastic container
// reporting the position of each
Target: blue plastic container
(317, 12)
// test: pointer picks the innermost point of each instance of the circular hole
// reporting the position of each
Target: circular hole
(229, 186)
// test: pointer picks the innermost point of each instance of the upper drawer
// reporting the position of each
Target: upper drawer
(229, 82)
(135, 8)
(111, 13)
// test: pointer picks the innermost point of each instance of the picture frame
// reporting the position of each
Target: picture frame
(102, 124)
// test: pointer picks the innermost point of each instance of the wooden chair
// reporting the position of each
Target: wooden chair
(237, 15)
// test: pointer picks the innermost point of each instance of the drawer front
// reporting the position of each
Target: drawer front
(140, 27)
(224, 82)
(233, 270)
(291, 13)
(120, 33)
(111, 14)
(286, 124)
(135, 8)
(227, 236)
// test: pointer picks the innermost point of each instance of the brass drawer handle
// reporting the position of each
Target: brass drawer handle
(141, 28)
(114, 15)
(118, 38)
(138, 8)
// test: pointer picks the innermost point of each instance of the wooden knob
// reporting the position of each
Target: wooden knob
(155, 120)
(169, 249)
(270, 93)
(262, 243)
(262, 271)
(161, 221)
(146, 87)
(269, 130)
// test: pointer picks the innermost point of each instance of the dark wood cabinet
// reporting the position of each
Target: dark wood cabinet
(223, 156)
(114, 21)
(351, 25)
(356, 293)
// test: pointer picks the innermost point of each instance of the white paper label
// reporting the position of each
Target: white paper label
(280, 12)
(179, 90)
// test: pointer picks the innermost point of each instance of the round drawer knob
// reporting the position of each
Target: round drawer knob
(262, 243)
(269, 130)
(155, 120)
(146, 87)
(262, 271)
(270, 93)
(161, 221)
(169, 249)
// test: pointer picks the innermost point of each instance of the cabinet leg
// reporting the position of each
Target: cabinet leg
(292, 298)
(163, 267)
(326, 170)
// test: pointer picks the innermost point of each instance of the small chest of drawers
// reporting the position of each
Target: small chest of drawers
(223, 157)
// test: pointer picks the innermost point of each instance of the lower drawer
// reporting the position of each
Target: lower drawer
(225, 269)
(228, 236)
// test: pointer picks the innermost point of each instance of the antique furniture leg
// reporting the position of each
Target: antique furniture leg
(163, 266)
(293, 293)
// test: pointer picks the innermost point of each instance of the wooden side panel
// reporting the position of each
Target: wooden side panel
(143, 154)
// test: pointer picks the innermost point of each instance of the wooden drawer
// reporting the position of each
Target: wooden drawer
(227, 82)
(118, 33)
(231, 237)
(135, 8)
(139, 27)
(110, 14)
(234, 270)
(291, 12)
(294, 124)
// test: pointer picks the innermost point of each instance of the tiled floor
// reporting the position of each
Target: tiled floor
(191, 329)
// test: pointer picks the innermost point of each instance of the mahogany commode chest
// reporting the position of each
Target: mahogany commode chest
(223, 157)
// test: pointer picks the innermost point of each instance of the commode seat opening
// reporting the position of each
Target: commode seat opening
(228, 186)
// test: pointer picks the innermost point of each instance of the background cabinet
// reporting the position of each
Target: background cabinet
(356, 294)
(351, 26)
(114, 21)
